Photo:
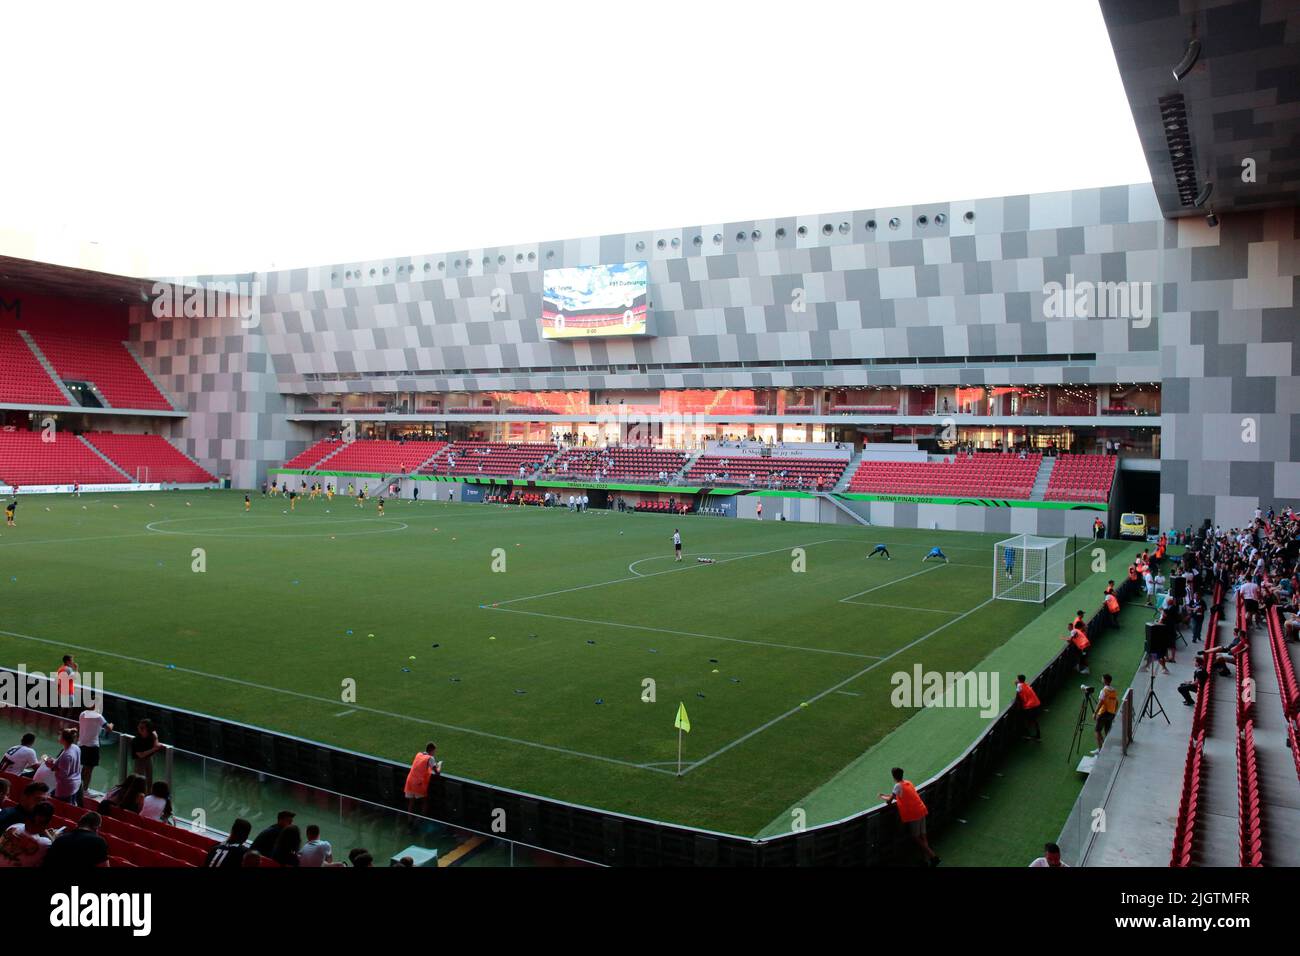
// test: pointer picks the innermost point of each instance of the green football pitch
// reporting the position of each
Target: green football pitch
(542, 650)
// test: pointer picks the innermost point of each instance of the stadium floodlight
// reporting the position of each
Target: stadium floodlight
(1028, 568)
(1189, 59)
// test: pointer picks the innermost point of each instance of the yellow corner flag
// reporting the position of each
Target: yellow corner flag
(682, 722)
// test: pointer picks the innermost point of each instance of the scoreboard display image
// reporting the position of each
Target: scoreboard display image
(595, 301)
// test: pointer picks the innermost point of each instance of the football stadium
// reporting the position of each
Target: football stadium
(954, 531)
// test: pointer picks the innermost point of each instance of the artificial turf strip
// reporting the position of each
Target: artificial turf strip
(1028, 800)
(933, 737)
(536, 682)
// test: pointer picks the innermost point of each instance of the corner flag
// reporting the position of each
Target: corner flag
(682, 722)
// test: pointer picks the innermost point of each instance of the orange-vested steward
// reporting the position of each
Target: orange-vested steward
(417, 781)
(1112, 603)
(910, 805)
(1027, 696)
(1079, 639)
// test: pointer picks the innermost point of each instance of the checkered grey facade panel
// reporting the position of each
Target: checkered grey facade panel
(761, 293)
(1222, 338)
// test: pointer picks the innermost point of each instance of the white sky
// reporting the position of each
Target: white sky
(183, 138)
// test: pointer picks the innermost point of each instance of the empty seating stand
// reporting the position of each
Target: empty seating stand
(791, 474)
(382, 456)
(981, 475)
(23, 380)
(149, 458)
(313, 457)
(1081, 478)
(25, 459)
(619, 464)
(104, 362)
(490, 458)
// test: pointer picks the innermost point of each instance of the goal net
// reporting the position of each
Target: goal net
(1028, 568)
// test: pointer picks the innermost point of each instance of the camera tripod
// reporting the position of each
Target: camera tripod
(1085, 708)
(1152, 706)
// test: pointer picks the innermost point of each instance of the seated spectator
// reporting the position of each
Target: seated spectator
(158, 805)
(26, 843)
(20, 812)
(230, 852)
(358, 856)
(21, 757)
(286, 847)
(315, 852)
(251, 858)
(265, 842)
(79, 849)
(126, 796)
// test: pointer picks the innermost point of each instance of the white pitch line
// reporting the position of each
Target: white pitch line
(345, 713)
(654, 574)
(901, 607)
(664, 630)
(849, 693)
(328, 700)
(848, 680)
(906, 577)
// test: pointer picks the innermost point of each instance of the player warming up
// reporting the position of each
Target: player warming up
(935, 553)
(880, 549)
(13, 507)
(677, 543)
(248, 504)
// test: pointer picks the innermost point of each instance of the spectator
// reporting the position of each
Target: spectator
(127, 795)
(20, 812)
(79, 849)
(360, 857)
(143, 747)
(90, 724)
(315, 852)
(21, 757)
(229, 853)
(911, 811)
(1193, 686)
(252, 859)
(26, 843)
(158, 805)
(1051, 857)
(285, 851)
(265, 842)
(67, 768)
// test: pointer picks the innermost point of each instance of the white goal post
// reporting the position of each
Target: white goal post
(1028, 568)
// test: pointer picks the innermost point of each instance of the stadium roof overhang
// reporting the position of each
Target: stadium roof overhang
(42, 278)
(1238, 98)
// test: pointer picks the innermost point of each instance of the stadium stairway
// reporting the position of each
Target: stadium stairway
(1216, 825)
(845, 478)
(1039, 491)
(150, 375)
(126, 476)
(845, 508)
(49, 369)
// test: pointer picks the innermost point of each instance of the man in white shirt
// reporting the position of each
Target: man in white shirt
(18, 758)
(90, 724)
(25, 844)
(1051, 857)
(315, 852)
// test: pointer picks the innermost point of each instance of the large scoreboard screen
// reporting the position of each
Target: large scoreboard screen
(595, 301)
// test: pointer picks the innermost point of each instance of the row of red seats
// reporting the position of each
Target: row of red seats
(489, 458)
(382, 456)
(1081, 478)
(1287, 683)
(106, 363)
(620, 464)
(23, 379)
(132, 840)
(662, 507)
(1189, 803)
(149, 458)
(313, 456)
(26, 458)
